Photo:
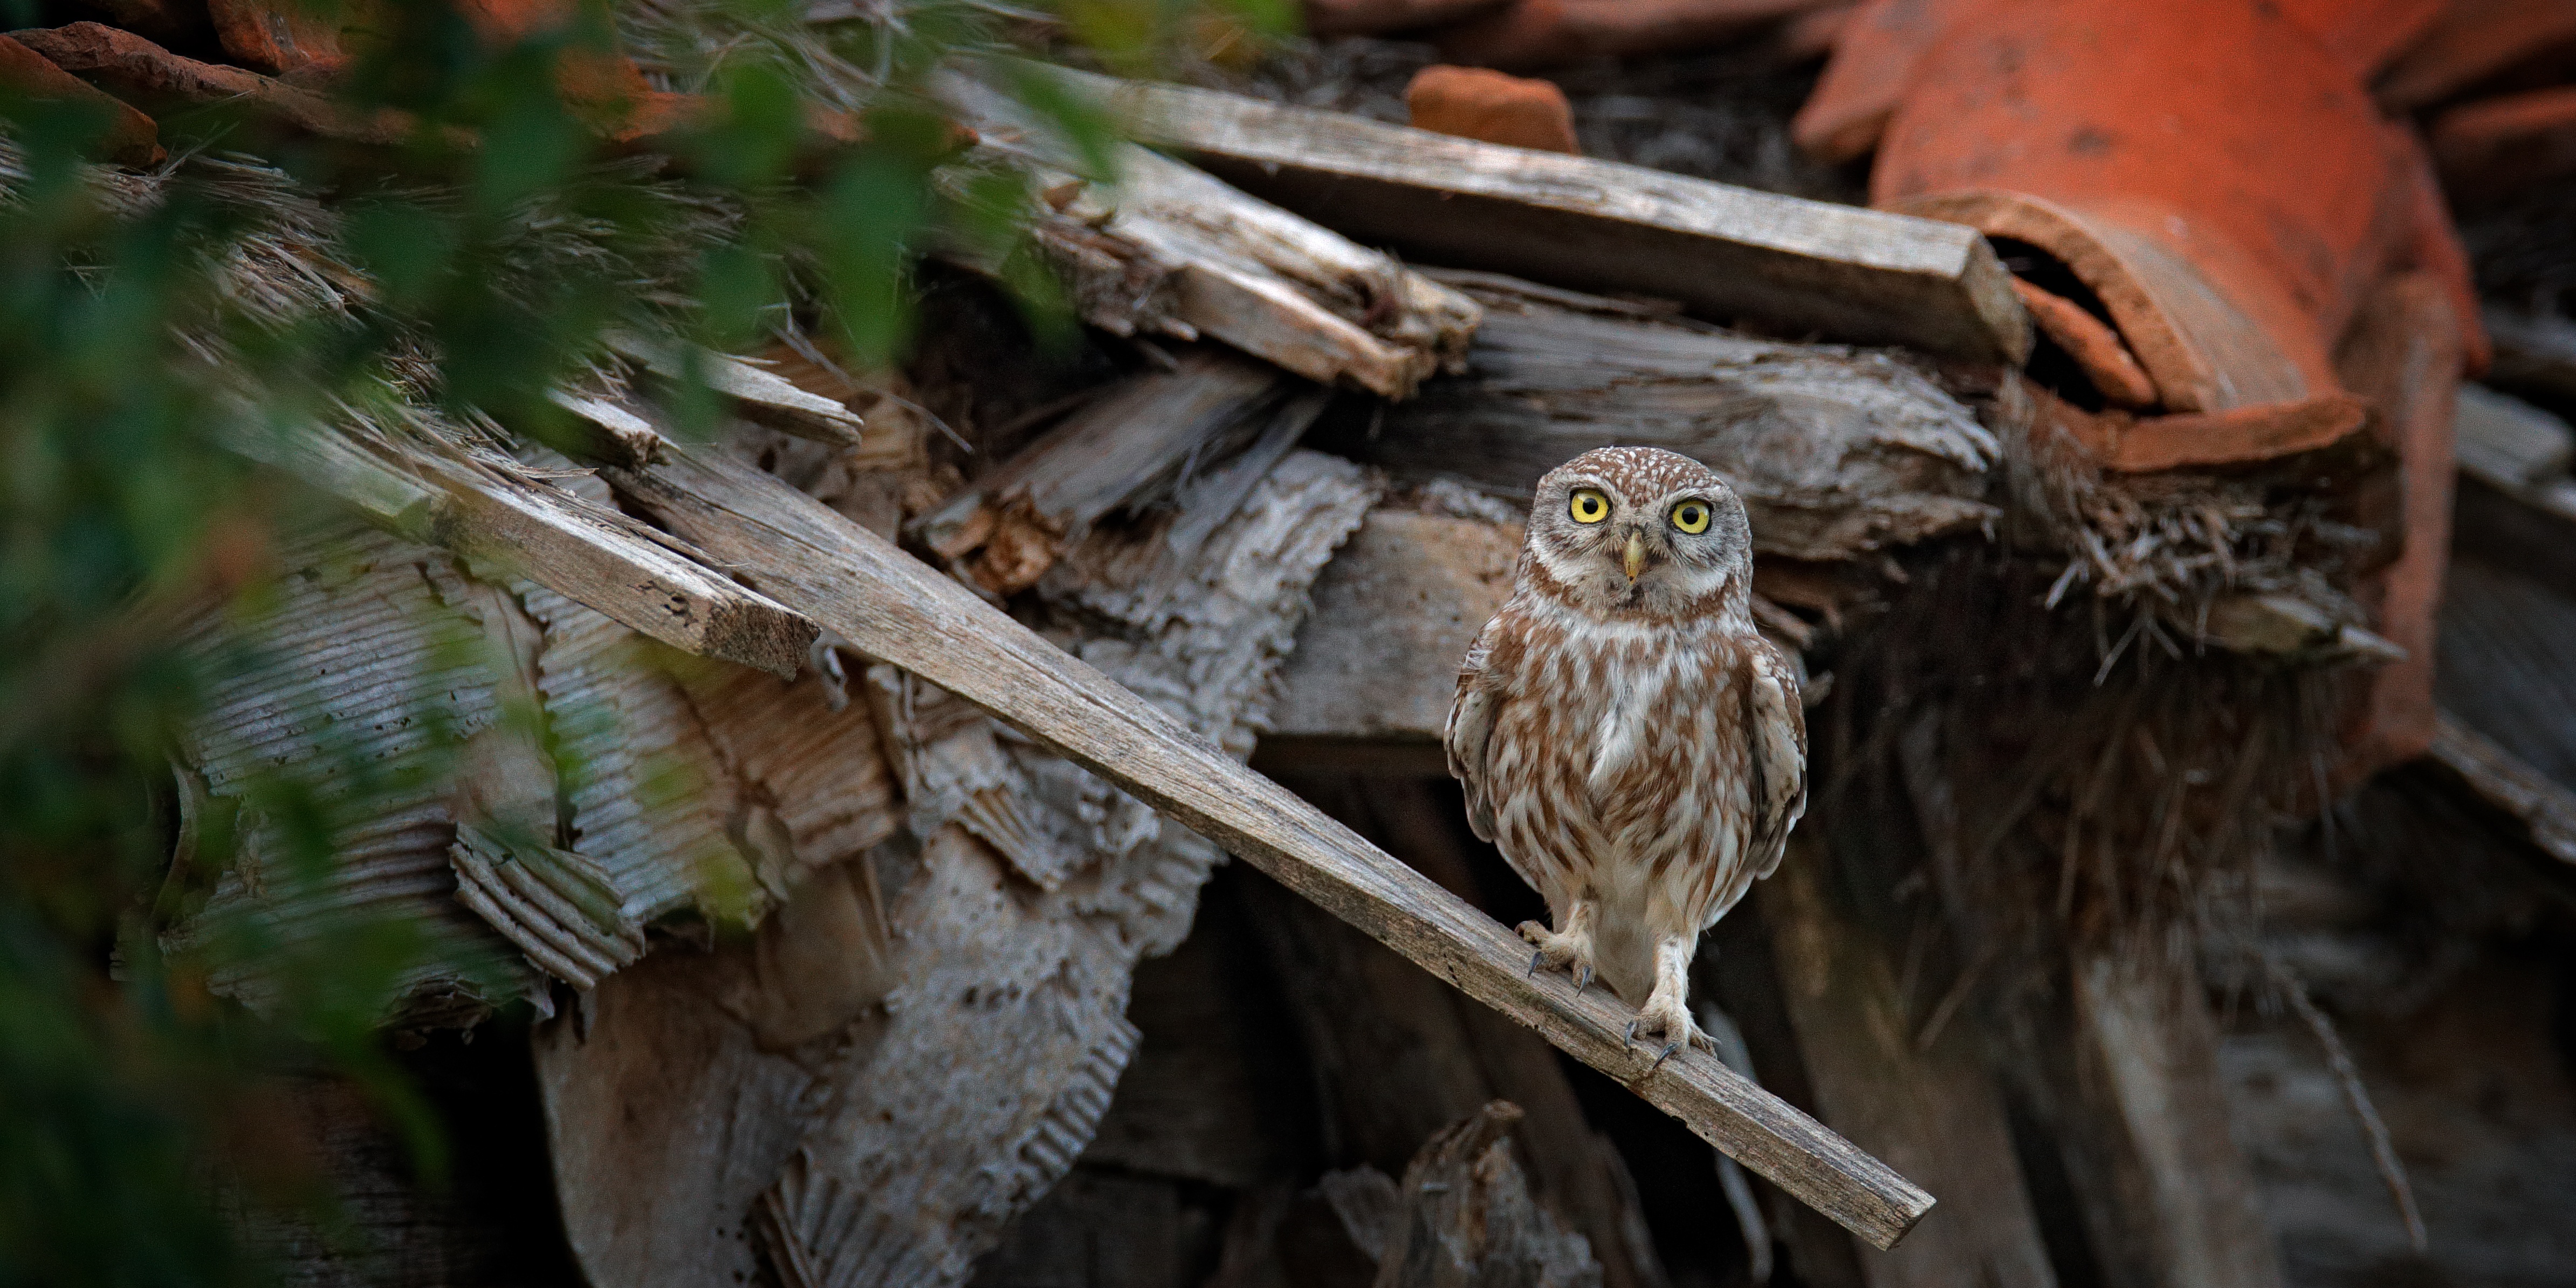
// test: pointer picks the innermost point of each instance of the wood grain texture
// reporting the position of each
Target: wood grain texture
(2506, 660)
(664, 1118)
(891, 606)
(489, 511)
(1835, 451)
(1174, 251)
(1466, 1219)
(1932, 1110)
(587, 555)
(1394, 612)
(2181, 1207)
(758, 394)
(2542, 810)
(1794, 265)
(1143, 434)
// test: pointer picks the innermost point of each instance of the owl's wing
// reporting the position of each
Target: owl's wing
(1471, 727)
(1775, 735)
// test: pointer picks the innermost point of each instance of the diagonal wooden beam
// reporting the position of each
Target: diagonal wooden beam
(894, 607)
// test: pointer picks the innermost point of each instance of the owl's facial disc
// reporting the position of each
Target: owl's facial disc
(1630, 532)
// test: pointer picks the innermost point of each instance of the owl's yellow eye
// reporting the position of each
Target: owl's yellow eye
(1691, 517)
(1589, 506)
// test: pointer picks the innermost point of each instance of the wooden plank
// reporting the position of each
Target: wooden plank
(1929, 1104)
(892, 606)
(1793, 265)
(2544, 811)
(581, 551)
(1172, 250)
(2509, 443)
(1466, 1218)
(541, 535)
(1019, 519)
(761, 396)
(2175, 1202)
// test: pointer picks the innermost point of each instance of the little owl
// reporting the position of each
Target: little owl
(1626, 736)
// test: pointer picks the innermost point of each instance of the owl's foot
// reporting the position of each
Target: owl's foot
(1570, 952)
(1665, 1022)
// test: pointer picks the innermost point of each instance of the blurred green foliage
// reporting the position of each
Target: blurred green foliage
(488, 253)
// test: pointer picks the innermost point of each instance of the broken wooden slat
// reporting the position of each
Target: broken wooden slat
(759, 395)
(2285, 625)
(2508, 443)
(1249, 266)
(891, 606)
(541, 534)
(591, 554)
(1177, 252)
(2542, 809)
(2172, 1200)
(1019, 519)
(1790, 264)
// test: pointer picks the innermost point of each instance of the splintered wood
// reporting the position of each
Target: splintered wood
(1168, 250)
(1019, 519)
(1796, 265)
(890, 606)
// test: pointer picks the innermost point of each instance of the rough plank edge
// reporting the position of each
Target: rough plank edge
(2545, 810)
(1213, 122)
(548, 539)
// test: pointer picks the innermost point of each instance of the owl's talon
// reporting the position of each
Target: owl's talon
(1664, 1055)
(1632, 1030)
(1569, 951)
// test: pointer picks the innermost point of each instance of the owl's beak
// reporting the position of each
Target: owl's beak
(1636, 555)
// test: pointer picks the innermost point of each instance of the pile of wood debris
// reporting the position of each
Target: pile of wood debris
(825, 785)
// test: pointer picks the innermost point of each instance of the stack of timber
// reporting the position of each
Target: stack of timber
(849, 797)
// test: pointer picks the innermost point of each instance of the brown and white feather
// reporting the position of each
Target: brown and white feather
(1637, 744)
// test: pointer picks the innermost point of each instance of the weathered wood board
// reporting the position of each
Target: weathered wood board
(1791, 265)
(1930, 1105)
(1394, 613)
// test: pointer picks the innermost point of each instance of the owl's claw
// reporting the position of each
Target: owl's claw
(1664, 1018)
(1571, 953)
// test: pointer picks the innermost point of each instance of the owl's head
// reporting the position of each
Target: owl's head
(1639, 531)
